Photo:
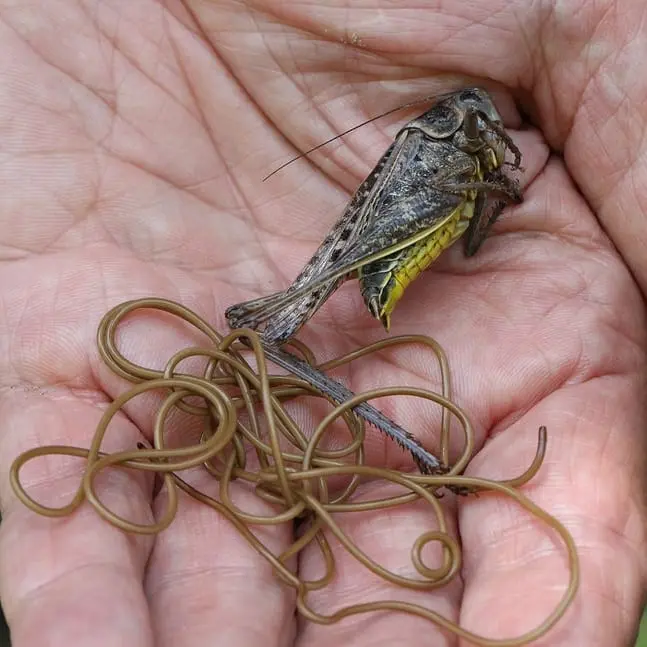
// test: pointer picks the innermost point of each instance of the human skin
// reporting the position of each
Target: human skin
(133, 140)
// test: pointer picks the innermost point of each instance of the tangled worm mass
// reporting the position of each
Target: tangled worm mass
(249, 436)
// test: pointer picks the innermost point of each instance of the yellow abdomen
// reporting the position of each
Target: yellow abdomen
(417, 258)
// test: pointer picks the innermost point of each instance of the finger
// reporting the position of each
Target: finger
(207, 586)
(76, 580)
(516, 569)
(595, 113)
(387, 537)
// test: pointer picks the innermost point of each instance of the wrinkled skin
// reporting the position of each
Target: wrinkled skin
(133, 138)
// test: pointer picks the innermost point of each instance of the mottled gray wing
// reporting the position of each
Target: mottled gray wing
(284, 320)
(404, 209)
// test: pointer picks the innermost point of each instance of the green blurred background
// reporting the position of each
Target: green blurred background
(642, 638)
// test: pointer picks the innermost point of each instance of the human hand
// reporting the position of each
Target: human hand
(133, 138)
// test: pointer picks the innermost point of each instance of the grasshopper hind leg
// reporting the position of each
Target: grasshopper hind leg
(283, 316)
(285, 323)
(252, 313)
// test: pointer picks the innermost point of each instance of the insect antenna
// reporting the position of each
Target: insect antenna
(437, 97)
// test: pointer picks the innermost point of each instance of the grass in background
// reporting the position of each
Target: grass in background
(642, 636)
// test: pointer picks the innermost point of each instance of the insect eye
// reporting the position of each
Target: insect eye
(442, 121)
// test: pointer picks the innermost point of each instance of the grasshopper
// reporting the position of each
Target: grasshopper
(440, 180)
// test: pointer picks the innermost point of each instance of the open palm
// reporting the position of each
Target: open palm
(133, 141)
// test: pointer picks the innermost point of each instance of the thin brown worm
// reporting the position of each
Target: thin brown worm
(249, 436)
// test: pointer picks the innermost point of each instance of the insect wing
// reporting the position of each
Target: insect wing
(347, 231)
(408, 210)
(291, 310)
